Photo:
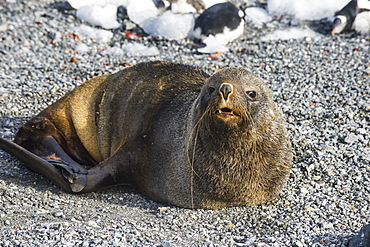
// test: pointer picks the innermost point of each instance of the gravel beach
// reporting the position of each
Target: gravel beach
(322, 84)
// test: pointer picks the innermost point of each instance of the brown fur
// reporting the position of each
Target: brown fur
(176, 134)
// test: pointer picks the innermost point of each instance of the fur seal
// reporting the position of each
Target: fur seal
(178, 135)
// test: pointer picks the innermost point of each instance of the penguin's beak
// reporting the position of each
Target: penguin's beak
(339, 24)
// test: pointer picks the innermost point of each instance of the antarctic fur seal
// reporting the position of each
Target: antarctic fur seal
(178, 135)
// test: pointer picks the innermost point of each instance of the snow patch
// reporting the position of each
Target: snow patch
(291, 33)
(103, 16)
(212, 45)
(257, 16)
(141, 10)
(362, 23)
(305, 9)
(170, 25)
(98, 35)
(132, 50)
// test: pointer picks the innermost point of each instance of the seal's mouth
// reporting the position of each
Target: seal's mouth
(226, 113)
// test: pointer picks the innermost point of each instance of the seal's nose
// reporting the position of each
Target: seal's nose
(226, 89)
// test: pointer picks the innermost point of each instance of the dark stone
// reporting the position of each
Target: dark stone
(62, 6)
(121, 14)
(362, 239)
(51, 35)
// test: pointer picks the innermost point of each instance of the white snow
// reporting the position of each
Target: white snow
(363, 4)
(104, 16)
(212, 45)
(141, 10)
(139, 50)
(182, 7)
(132, 50)
(97, 34)
(174, 26)
(114, 51)
(169, 25)
(81, 48)
(362, 23)
(258, 16)
(305, 9)
(291, 33)
(76, 4)
(209, 3)
(104, 12)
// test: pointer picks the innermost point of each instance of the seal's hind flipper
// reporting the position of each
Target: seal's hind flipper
(65, 172)
(35, 163)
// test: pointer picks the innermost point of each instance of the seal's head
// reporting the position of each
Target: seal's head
(240, 145)
(234, 100)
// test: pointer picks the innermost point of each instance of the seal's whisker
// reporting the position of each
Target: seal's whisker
(195, 130)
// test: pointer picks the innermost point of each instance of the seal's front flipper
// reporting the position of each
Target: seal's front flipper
(35, 163)
(77, 180)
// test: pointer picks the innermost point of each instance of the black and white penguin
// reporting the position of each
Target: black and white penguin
(224, 21)
(181, 6)
(344, 19)
(161, 4)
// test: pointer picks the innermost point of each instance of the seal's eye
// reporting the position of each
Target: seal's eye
(211, 90)
(252, 95)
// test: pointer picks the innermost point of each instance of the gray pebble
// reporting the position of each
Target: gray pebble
(321, 84)
(58, 214)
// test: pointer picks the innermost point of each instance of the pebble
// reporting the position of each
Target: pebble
(321, 84)
(58, 214)
(92, 224)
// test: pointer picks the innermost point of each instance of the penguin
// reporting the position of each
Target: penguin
(183, 6)
(223, 20)
(345, 18)
(161, 4)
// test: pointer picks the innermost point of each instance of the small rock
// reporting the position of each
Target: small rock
(362, 239)
(366, 107)
(82, 48)
(163, 210)
(74, 60)
(58, 214)
(92, 223)
(51, 35)
(3, 27)
(298, 244)
(304, 190)
(351, 138)
(117, 235)
(165, 243)
(361, 131)
(327, 225)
